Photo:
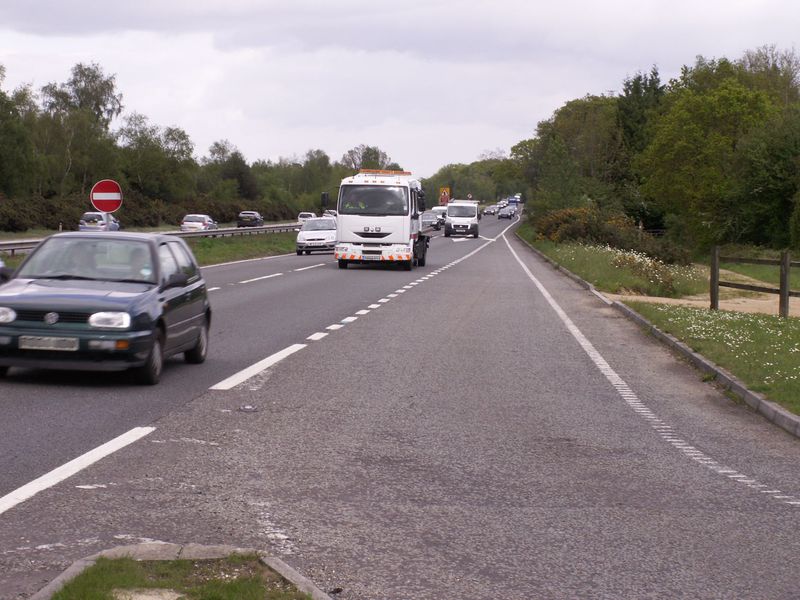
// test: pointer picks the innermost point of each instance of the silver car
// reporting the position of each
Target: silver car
(98, 221)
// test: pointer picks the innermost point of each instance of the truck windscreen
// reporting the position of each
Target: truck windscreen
(461, 211)
(373, 200)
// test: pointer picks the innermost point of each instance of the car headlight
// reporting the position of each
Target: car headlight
(110, 320)
(7, 315)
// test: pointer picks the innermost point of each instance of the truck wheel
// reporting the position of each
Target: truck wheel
(407, 264)
(342, 264)
(446, 232)
(475, 234)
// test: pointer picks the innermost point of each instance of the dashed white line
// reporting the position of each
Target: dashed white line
(349, 319)
(374, 306)
(213, 289)
(260, 278)
(384, 300)
(315, 337)
(256, 368)
(69, 469)
(311, 267)
(362, 312)
(335, 326)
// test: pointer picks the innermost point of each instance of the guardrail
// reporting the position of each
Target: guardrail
(22, 246)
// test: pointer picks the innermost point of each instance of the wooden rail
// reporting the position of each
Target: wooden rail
(785, 263)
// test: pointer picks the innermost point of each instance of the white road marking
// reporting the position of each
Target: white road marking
(213, 289)
(459, 239)
(311, 267)
(391, 295)
(335, 326)
(384, 300)
(349, 319)
(260, 278)
(362, 312)
(247, 260)
(374, 306)
(622, 388)
(315, 337)
(255, 369)
(69, 469)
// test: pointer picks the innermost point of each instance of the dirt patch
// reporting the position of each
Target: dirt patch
(729, 299)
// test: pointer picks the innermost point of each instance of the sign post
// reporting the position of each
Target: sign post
(106, 196)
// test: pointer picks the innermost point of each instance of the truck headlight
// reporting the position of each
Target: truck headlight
(110, 320)
(7, 315)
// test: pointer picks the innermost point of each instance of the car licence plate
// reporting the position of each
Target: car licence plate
(32, 342)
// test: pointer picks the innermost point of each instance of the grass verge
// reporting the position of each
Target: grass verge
(761, 350)
(235, 577)
(210, 251)
(619, 272)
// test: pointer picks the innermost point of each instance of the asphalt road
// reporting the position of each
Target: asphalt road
(490, 431)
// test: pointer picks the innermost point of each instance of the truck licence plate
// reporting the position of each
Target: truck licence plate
(32, 342)
(371, 257)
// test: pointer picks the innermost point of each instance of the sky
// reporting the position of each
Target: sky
(430, 82)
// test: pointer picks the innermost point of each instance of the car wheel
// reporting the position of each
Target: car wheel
(475, 234)
(3, 372)
(446, 232)
(342, 264)
(150, 372)
(198, 354)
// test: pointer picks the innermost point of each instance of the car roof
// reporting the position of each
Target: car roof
(119, 235)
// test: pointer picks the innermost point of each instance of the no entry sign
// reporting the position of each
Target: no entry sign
(106, 195)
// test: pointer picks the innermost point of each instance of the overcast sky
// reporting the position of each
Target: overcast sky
(431, 82)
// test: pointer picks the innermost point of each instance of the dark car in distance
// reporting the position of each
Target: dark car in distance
(105, 302)
(249, 218)
(505, 213)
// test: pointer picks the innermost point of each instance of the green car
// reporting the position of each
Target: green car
(104, 302)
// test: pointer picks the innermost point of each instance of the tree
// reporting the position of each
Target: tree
(367, 157)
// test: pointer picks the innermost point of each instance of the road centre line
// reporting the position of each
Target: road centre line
(334, 326)
(362, 312)
(69, 469)
(349, 319)
(260, 278)
(311, 267)
(256, 368)
(373, 306)
(602, 365)
(315, 337)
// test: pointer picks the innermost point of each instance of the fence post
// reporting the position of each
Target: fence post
(783, 305)
(714, 292)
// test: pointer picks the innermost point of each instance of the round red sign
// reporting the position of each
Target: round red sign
(106, 195)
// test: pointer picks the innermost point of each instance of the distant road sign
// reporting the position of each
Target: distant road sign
(106, 195)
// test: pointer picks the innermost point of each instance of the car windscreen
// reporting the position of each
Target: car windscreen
(373, 200)
(321, 225)
(460, 211)
(92, 216)
(89, 258)
(193, 219)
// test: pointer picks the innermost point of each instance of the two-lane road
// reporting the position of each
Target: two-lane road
(480, 428)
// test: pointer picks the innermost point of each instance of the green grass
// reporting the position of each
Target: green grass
(210, 251)
(621, 272)
(236, 577)
(761, 350)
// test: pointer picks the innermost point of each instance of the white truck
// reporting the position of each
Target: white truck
(379, 219)
(462, 218)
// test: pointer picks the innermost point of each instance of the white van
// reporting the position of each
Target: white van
(462, 218)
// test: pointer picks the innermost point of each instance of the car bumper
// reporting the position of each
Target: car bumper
(97, 351)
(329, 246)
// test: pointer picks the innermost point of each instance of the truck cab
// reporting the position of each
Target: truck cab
(379, 219)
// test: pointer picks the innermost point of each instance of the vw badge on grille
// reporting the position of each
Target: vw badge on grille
(51, 318)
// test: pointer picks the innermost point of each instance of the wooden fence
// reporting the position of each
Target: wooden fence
(783, 291)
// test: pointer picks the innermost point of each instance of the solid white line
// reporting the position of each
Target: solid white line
(311, 267)
(69, 469)
(315, 337)
(247, 373)
(246, 260)
(260, 278)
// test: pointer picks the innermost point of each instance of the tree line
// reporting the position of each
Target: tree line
(55, 142)
(712, 156)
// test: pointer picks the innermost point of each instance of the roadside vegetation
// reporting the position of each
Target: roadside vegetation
(761, 350)
(620, 271)
(236, 577)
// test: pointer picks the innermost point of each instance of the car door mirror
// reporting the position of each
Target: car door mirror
(177, 280)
